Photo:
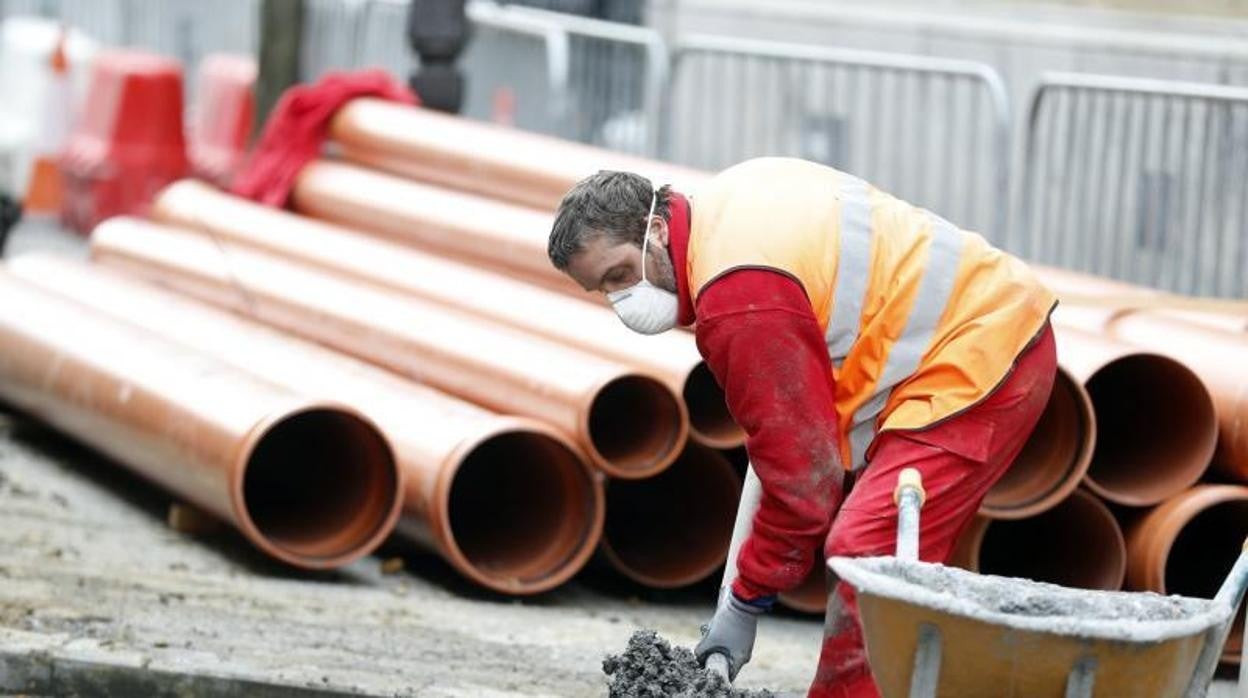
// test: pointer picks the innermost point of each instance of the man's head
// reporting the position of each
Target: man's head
(599, 229)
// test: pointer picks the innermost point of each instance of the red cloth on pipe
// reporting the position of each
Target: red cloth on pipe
(299, 125)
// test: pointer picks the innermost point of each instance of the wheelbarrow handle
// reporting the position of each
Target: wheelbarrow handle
(909, 497)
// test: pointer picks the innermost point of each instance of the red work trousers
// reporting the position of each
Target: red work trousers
(959, 460)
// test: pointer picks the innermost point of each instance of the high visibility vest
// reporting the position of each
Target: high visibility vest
(922, 320)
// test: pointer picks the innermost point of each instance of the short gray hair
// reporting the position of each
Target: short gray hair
(607, 203)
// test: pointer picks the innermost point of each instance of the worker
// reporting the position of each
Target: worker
(854, 335)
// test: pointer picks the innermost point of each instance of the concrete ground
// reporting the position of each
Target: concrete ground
(98, 596)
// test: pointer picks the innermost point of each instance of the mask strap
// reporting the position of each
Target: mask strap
(645, 238)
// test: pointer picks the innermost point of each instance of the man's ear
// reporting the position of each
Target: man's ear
(659, 231)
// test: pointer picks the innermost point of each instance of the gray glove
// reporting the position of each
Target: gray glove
(730, 633)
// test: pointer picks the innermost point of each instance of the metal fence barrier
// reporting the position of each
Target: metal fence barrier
(1142, 180)
(517, 70)
(932, 131)
(617, 78)
(583, 79)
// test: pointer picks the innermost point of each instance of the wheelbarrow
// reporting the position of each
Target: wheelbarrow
(932, 630)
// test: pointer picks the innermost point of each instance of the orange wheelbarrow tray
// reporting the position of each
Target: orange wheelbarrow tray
(932, 630)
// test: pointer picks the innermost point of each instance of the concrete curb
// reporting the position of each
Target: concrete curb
(32, 663)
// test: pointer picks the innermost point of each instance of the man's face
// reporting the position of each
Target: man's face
(604, 265)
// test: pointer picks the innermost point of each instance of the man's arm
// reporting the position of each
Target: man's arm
(764, 346)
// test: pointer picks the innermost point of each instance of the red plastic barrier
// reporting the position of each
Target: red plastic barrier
(224, 110)
(128, 143)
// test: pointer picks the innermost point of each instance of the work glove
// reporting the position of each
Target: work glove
(731, 632)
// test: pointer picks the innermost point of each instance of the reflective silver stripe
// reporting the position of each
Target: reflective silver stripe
(852, 268)
(904, 356)
(860, 438)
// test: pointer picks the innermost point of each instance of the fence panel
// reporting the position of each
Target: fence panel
(582, 79)
(516, 67)
(577, 78)
(1142, 180)
(617, 76)
(330, 38)
(933, 131)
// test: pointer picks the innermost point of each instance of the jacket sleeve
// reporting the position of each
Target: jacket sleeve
(760, 339)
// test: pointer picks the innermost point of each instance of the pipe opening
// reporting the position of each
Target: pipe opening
(523, 512)
(1203, 553)
(1052, 461)
(320, 484)
(811, 596)
(635, 426)
(1148, 450)
(710, 422)
(1076, 544)
(673, 529)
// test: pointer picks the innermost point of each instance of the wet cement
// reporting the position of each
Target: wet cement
(1023, 597)
(650, 667)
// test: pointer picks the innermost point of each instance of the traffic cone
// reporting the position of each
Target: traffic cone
(45, 189)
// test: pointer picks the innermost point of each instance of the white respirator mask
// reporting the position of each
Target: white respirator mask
(644, 307)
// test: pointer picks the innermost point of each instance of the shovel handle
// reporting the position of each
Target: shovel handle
(717, 663)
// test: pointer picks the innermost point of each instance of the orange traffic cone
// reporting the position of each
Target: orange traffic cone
(45, 189)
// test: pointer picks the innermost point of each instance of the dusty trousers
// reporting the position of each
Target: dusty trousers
(959, 459)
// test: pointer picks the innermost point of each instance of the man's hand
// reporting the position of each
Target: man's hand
(731, 632)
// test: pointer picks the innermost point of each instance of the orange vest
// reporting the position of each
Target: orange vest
(922, 320)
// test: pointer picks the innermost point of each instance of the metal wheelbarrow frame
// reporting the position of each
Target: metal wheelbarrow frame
(924, 642)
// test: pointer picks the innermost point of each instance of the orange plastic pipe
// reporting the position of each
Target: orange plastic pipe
(309, 482)
(811, 596)
(590, 327)
(477, 229)
(1216, 357)
(1054, 459)
(505, 500)
(673, 530)
(1156, 427)
(1078, 544)
(628, 423)
(1077, 287)
(1187, 546)
(499, 162)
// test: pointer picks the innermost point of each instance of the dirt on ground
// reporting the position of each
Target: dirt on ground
(651, 667)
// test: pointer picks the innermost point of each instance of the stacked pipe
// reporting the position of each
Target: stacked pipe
(1181, 545)
(509, 489)
(461, 464)
(418, 209)
(670, 505)
(1130, 427)
(309, 481)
